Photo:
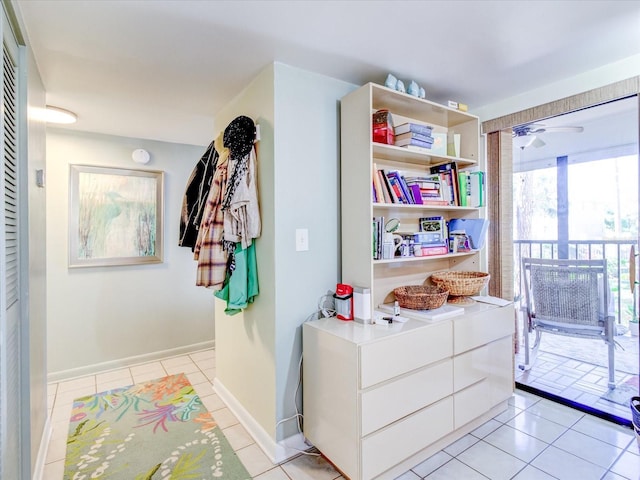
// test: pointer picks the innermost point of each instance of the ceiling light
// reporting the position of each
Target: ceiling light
(59, 115)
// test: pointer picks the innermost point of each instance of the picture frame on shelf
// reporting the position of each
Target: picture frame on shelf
(115, 216)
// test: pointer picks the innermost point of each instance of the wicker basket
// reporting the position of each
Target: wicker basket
(461, 283)
(421, 297)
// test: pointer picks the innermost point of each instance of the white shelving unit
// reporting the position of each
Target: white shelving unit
(380, 399)
(359, 156)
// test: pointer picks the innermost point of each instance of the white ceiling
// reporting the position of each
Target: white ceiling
(162, 69)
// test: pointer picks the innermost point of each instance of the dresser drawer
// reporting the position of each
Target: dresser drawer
(471, 331)
(389, 446)
(396, 399)
(470, 367)
(471, 402)
(393, 356)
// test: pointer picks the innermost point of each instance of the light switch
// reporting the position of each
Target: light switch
(302, 239)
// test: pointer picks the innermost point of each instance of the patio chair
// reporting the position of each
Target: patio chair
(567, 297)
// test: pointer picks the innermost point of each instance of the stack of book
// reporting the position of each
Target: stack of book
(413, 136)
(427, 190)
(448, 173)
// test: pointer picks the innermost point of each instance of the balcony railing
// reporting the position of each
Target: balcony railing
(616, 252)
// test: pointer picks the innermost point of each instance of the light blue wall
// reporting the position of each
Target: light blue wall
(244, 343)
(106, 317)
(257, 352)
(307, 180)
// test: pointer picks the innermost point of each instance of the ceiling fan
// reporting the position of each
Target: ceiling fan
(527, 135)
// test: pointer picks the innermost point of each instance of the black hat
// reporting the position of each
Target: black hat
(239, 136)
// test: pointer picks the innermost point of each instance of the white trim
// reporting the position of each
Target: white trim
(127, 361)
(277, 452)
(38, 469)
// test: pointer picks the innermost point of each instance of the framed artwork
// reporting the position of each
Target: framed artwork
(115, 216)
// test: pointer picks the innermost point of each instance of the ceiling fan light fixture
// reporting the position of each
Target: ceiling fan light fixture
(59, 115)
(537, 143)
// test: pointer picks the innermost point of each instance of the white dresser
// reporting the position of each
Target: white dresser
(380, 399)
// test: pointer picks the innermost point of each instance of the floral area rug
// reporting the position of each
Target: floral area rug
(152, 431)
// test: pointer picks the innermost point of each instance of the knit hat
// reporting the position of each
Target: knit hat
(239, 136)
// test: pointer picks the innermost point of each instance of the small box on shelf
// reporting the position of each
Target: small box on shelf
(382, 127)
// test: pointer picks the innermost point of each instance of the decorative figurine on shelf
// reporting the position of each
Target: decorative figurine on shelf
(391, 82)
(413, 89)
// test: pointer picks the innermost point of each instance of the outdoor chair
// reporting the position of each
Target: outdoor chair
(567, 297)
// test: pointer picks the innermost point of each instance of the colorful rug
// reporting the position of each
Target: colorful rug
(622, 393)
(152, 431)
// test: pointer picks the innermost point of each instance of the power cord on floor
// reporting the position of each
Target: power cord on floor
(326, 308)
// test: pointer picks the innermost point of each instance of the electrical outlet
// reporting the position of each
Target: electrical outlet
(302, 239)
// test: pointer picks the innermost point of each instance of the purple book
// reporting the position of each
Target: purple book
(415, 192)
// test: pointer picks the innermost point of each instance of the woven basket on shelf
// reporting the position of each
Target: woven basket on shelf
(461, 283)
(421, 297)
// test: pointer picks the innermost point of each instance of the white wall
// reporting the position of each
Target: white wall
(104, 317)
(37, 324)
(599, 77)
(257, 353)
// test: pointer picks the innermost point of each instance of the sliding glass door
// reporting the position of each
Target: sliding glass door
(575, 196)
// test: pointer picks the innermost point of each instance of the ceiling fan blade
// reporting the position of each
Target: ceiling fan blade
(566, 128)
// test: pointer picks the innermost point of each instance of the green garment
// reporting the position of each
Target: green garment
(241, 288)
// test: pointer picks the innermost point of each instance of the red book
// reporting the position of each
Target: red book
(439, 250)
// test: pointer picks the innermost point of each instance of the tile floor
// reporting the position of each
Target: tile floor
(533, 439)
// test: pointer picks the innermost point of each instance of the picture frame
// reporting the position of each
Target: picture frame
(115, 216)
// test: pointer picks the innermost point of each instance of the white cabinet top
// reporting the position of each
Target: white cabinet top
(359, 333)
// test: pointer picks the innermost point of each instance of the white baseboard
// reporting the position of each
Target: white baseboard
(38, 469)
(53, 377)
(277, 452)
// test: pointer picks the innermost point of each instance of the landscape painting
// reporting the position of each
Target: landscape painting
(115, 216)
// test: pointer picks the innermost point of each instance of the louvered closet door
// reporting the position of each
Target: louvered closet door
(10, 330)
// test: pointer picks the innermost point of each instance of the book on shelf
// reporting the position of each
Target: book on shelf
(463, 187)
(471, 187)
(430, 250)
(413, 128)
(453, 144)
(439, 146)
(377, 237)
(398, 180)
(396, 189)
(414, 136)
(474, 228)
(387, 192)
(378, 196)
(475, 190)
(430, 188)
(413, 142)
(449, 172)
(416, 194)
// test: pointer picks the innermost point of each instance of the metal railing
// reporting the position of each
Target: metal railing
(616, 252)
